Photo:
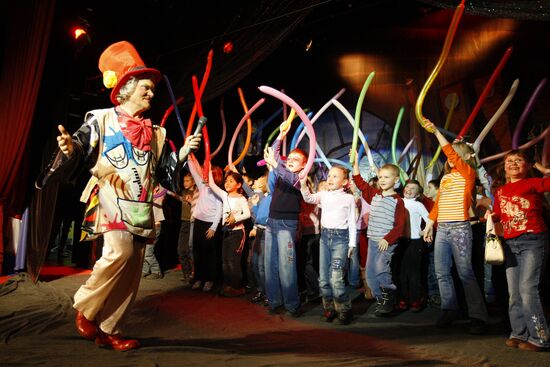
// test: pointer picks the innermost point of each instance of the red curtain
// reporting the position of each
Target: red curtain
(27, 35)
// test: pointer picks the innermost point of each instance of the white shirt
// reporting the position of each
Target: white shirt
(417, 212)
(337, 210)
(208, 207)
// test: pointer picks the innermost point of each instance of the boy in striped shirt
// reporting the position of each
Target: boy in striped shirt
(386, 224)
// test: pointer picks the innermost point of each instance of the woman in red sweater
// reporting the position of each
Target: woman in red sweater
(518, 206)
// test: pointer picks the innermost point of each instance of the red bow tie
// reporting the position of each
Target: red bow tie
(138, 131)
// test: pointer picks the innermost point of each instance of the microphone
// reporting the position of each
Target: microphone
(200, 125)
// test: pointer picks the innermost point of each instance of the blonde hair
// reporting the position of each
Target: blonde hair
(466, 153)
(391, 167)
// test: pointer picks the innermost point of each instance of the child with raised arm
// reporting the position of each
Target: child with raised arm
(518, 206)
(337, 242)
(386, 224)
(454, 234)
(281, 276)
(206, 219)
(235, 212)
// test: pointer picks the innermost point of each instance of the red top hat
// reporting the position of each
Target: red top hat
(118, 63)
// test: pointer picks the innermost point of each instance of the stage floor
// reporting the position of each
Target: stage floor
(181, 327)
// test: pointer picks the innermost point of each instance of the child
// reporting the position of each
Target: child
(337, 242)
(386, 224)
(518, 206)
(454, 234)
(206, 218)
(280, 251)
(151, 267)
(411, 265)
(235, 211)
(260, 210)
(188, 197)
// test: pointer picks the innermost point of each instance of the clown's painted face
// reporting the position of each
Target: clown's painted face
(140, 100)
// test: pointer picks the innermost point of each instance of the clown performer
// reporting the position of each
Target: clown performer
(127, 156)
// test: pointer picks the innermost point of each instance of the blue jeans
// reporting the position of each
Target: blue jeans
(258, 265)
(333, 253)
(281, 278)
(379, 268)
(453, 241)
(525, 260)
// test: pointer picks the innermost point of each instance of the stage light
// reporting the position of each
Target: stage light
(228, 47)
(78, 32)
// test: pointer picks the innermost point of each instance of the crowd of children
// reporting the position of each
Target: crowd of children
(291, 240)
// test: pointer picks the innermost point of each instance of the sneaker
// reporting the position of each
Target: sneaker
(344, 318)
(532, 347)
(477, 326)
(387, 302)
(197, 285)
(513, 342)
(446, 319)
(328, 315)
(207, 286)
(154, 276)
(435, 301)
(258, 297)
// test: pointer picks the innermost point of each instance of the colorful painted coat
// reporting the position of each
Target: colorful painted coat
(119, 195)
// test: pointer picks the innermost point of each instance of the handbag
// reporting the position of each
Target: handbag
(494, 252)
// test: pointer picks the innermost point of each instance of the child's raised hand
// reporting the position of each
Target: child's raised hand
(269, 157)
(383, 245)
(355, 162)
(429, 126)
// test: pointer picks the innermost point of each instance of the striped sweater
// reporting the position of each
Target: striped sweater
(387, 216)
(454, 198)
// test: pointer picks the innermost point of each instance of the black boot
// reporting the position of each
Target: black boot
(345, 314)
(387, 302)
(344, 317)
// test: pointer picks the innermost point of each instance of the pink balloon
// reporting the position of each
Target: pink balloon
(524, 146)
(236, 133)
(312, 139)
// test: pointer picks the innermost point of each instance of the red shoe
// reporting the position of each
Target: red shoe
(402, 306)
(531, 347)
(513, 342)
(86, 328)
(417, 306)
(116, 341)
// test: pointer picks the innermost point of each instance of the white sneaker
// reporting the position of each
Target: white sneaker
(208, 286)
(196, 285)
